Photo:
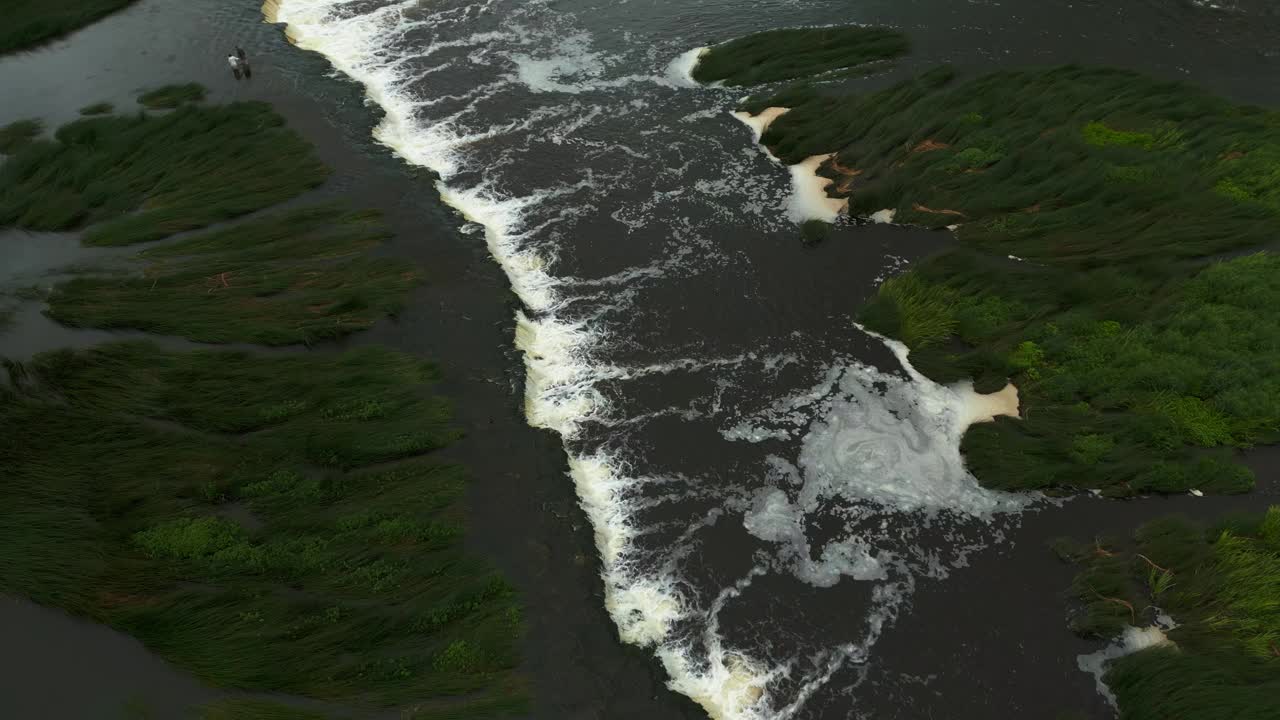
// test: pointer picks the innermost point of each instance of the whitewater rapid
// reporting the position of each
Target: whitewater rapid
(882, 446)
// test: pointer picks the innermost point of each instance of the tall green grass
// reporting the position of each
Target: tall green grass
(172, 96)
(775, 55)
(28, 23)
(1092, 204)
(1221, 584)
(298, 276)
(269, 524)
(143, 177)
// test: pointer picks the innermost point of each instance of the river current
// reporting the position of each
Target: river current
(748, 457)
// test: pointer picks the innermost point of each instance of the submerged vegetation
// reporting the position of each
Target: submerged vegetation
(28, 23)
(1103, 220)
(17, 134)
(267, 523)
(775, 55)
(275, 524)
(172, 96)
(101, 108)
(289, 277)
(144, 177)
(1220, 585)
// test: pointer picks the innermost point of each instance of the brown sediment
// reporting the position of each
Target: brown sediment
(928, 145)
(1233, 155)
(844, 176)
(921, 208)
(1033, 209)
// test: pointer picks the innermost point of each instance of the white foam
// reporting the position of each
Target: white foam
(809, 200)
(883, 217)
(645, 602)
(560, 391)
(761, 121)
(883, 452)
(1130, 641)
(680, 71)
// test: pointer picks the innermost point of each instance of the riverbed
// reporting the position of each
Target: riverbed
(775, 505)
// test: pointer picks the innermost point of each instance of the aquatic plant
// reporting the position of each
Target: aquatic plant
(172, 96)
(102, 108)
(1098, 210)
(813, 232)
(28, 23)
(297, 276)
(775, 55)
(18, 134)
(1220, 584)
(144, 177)
(273, 524)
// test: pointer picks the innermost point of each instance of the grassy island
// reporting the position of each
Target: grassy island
(144, 177)
(1220, 585)
(29, 23)
(774, 55)
(290, 277)
(270, 523)
(1109, 229)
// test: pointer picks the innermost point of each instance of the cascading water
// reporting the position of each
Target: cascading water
(721, 434)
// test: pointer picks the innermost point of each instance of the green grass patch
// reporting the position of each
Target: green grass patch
(1221, 584)
(775, 55)
(18, 134)
(1092, 204)
(299, 276)
(102, 108)
(29, 23)
(139, 178)
(172, 96)
(268, 524)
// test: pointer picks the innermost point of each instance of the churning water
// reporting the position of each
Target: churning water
(745, 453)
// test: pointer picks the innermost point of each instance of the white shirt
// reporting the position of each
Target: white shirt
(233, 61)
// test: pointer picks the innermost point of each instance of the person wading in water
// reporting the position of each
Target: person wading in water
(239, 64)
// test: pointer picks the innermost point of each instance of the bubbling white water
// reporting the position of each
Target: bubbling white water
(886, 454)
(560, 385)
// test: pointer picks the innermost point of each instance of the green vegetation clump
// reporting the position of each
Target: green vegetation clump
(814, 231)
(289, 277)
(18, 134)
(1221, 585)
(1102, 215)
(102, 108)
(172, 96)
(794, 53)
(28, 23)
(269, 524)
(140, 178)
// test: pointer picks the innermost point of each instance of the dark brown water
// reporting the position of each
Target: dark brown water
(778, 513)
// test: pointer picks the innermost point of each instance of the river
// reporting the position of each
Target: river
(781, 515)
(769, 486)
